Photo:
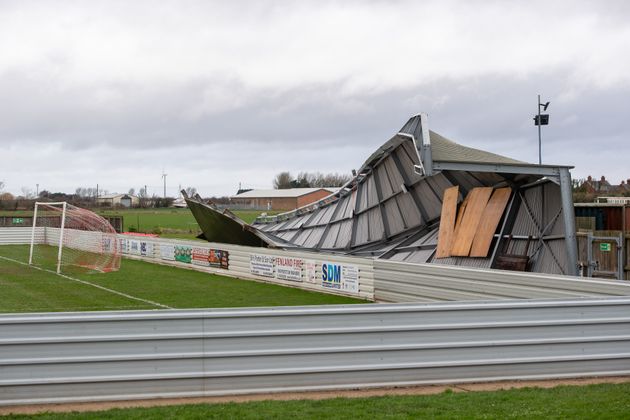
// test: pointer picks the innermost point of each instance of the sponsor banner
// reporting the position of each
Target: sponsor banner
(261, 265)
(123, 245)
(183, 253)
(289, 268)
(310, 267)
(350, 278)
(219, 258)
(200, 256)
(167, 252)
(146, 249)
(107, 245)
(133, 247)
(340, 277)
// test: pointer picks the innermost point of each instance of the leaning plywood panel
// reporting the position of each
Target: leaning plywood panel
(460, 212)
(447, 222)
(489, 222)
(466, 229)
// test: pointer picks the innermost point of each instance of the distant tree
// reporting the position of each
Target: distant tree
(1, 185)
(132, 191)
(7, 196)
(163, 201)
(190, 191)
(303, 180)
(143, 197)
(336, 179)
(27, 193)
(90, 192)
(282, 181)
(308, 179)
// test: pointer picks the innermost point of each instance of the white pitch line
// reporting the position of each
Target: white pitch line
(89, 284)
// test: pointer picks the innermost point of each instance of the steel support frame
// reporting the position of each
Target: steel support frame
(566, 192)
(507, 168)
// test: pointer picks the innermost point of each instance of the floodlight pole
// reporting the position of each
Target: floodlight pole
(539, 135)
(164, 177)
(63, 223)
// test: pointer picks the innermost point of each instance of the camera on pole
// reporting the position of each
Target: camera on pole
(540, 120)
(543, 120)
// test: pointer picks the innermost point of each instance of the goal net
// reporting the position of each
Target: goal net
(71, 238)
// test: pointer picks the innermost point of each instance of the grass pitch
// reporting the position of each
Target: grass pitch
(601, 401)
(148, 286)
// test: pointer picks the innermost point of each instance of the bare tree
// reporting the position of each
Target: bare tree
(336, 179)
(27, 193)
(132, 191)
(282, 181)
(143, 197)
(1, 185)
(310, 179)
(191, 191)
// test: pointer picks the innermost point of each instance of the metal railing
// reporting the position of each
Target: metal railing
(70, 357)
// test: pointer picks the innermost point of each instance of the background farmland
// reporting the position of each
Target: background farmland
(166, 222)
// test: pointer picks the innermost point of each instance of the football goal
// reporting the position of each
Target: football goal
(64, 235)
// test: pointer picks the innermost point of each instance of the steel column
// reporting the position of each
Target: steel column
(566, 193)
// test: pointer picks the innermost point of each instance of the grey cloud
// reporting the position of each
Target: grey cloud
(492, 112)
(487, 110)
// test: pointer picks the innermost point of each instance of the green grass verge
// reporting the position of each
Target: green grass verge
(25, 289)
(601, 401)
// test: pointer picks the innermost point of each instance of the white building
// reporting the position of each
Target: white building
(118, 200)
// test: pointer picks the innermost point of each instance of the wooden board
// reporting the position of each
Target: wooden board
(466, 229)
(447, 222)
(489, 222)
(460, 212)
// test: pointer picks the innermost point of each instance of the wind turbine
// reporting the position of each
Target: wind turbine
(164, 178)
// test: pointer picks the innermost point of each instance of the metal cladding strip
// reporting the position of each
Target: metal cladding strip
(307, 370)
(408, 282)
(423, 287)
(20, 235)
(307, 351)
(71, 356)
(313, 331)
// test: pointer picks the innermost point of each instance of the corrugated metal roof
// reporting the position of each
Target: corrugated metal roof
(443, 149)
(282, 193)
(389, 211)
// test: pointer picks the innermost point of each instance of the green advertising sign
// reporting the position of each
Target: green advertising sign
(605, 247)
(183, 254)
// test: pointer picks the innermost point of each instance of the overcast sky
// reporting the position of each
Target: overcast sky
(227, 92)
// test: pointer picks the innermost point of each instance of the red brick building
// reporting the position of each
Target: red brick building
(604, 187)
(285, 199)
(593, 186)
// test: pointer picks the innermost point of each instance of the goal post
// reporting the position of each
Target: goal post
(64, 235)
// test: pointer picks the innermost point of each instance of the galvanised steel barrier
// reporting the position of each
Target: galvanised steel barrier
(406, 282)
(68, 357)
